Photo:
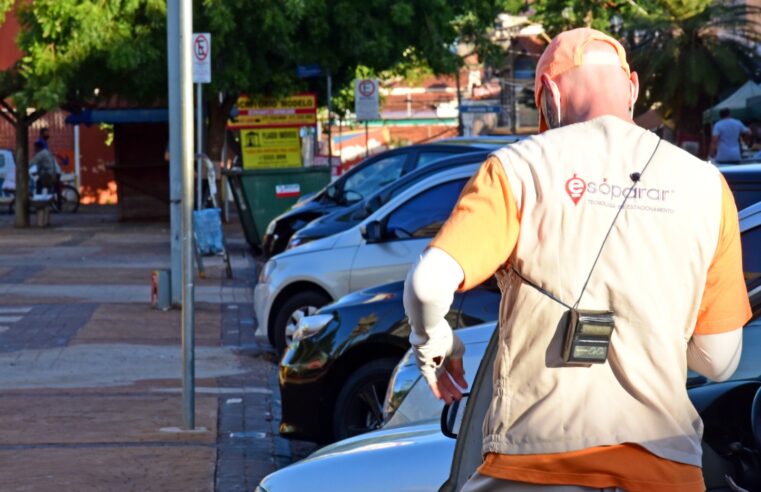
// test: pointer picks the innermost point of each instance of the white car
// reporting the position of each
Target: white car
(378, 250)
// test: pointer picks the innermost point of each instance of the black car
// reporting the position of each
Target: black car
(745, 182)
(344, 219)
(333, 378)
(360, 182)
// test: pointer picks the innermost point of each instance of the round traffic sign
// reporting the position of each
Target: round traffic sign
(201, 47)
(367, 87)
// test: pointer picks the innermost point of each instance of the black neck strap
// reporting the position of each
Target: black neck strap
(635, 177)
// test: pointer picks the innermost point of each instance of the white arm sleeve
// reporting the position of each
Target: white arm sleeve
(428, 294)
(715, 356)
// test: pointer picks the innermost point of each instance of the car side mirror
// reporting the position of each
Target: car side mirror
(373, 232)
(451, 416)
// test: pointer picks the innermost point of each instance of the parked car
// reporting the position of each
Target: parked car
(412, 454)
(379, 249)
(358, 183)
(384, 456)
(333, 376)
(744, 181)
(345, 218)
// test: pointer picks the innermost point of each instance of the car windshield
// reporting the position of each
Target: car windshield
(419, 405)
(367, 180)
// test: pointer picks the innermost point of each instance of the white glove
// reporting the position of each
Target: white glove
(431, 355)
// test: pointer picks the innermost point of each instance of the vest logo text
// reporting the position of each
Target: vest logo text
(576, 187)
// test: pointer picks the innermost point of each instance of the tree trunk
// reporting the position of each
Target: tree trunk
(218, 114)
(22, 173)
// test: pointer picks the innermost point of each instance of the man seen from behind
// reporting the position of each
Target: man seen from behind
(595, 226)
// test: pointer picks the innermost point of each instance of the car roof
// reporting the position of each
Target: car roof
(741, 169)
(435, 167)
(484, 140)
(750, 216)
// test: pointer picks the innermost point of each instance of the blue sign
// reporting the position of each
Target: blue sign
(480, 109)
(307, 71)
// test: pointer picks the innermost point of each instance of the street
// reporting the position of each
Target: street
(91, 388)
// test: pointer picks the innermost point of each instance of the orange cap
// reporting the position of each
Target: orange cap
(566, 51)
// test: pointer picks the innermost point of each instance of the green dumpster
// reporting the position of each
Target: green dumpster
(263, 194)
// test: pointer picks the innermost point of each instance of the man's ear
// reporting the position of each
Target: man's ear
(549, 85)
(633, 88)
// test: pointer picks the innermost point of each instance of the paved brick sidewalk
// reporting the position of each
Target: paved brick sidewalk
(90, 374)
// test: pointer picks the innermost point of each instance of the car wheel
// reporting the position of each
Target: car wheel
(359, 406)
(290, 313)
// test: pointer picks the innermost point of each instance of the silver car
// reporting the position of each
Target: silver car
(409, 454)
(380, 249)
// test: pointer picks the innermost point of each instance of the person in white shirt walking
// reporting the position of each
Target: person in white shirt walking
(725, 139)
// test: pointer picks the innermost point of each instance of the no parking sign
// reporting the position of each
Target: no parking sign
(366, 101)
(201, 58)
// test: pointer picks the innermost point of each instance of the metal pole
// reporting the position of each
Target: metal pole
(459, 103)
(77, 158)
(330, 113)
(199, 146)
(367, 141)
(223, 182)
(175, 165)
(188, 307)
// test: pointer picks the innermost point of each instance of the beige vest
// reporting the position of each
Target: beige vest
(568, 184)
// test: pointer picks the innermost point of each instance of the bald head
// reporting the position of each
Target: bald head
(583, 74)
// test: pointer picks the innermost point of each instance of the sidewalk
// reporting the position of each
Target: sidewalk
(90, 388)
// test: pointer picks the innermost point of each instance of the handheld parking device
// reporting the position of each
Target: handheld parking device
(588, 333)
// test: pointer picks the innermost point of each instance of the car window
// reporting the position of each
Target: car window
(423, 215)
(751, 245)
(425, 158)
(369, 179)
(750, 362)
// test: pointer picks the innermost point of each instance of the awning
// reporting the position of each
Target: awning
(118, 116)
(737, 103)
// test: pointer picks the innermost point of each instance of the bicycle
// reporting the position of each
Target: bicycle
(65, 196)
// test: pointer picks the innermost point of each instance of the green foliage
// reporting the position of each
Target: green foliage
(253, 43)
(687, 53)
(73, 47)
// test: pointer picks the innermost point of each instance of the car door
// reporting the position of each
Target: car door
(407, 230)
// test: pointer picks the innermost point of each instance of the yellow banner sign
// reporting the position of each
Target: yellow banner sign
(270, 147)
(299, 110)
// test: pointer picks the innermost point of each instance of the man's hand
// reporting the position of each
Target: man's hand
(440, 363)
(445, 387)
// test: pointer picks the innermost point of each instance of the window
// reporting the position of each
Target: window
(751, 245)
(371, 178)
(750, 363)
(423, 215)
(425, 158)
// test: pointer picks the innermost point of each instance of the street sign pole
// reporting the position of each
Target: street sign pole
(188, 300)
(199, 146)
(330, 112)
(175, 165)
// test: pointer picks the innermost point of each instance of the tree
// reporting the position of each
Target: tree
(339, 35)
(69, 46)
(686, 52)
(690, 53)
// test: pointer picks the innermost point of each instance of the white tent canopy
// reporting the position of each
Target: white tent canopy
(737, 102)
